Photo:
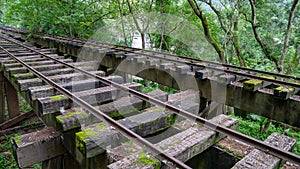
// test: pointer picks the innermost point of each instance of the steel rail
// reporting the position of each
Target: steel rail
(100, 115)
(219, 128)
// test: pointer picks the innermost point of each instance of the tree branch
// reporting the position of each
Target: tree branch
(207, 32)
(263, 46)
(137, 24)
(287, 36)
(122, 21)
(233, 36)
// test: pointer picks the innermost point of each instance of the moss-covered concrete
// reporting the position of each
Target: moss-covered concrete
(268, 77)
(58, 97)
(284, 89)
(146, 158)
(86, 135)
(252, 84)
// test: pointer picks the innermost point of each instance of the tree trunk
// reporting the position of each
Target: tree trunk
(287, 36)
(207, 32)
(122, 21)
(143, 40)
(236, 45)
(263, 46)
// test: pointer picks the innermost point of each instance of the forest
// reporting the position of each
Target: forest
(263, 35)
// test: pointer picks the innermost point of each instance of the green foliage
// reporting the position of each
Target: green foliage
(6, 157)
(69, 18)
(151, 86)
(7, 162)
(81, 18)
(251, 127)
(24, 106)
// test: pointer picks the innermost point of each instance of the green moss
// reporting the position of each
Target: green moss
(58, 97)
(253, 82)
(119, 114)
(284, 89)
(43, 139)
(26, 74)
(72, 114)
(80, 144)
(90, 132)
(15, 76)
(140, 126)
(115, 114)
(68, 115)
(12, 69)
(59, 119)
(129, 149)
(170, 119)
(101, 127)
(268, 77)
(154, 121)
(16, 139)
(127, 142)
(147, 159)
(84, 136)
(249, 84)
(155, 109)
(75, 115)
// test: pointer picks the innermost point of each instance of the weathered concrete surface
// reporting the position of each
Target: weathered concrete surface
(61, 71)
(39, 63)
(120, 108)
(233, 147)
(73, 120)
(74, 86)
(259, 159)
(128, 106)
(35, 147)
(95, 139)
(138, 123)
(23, 85)
(10, 72)
(118, 153)
(183, 146)
(187, 100)
(99, 95)
(149, 121)
(194, 140)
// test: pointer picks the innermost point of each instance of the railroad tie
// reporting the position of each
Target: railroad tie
(183, 146)
(259, 159)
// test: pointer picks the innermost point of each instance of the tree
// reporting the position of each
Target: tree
(142, 24)
(206, 28)
(68, 17)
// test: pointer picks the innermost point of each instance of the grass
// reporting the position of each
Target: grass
(251, 127)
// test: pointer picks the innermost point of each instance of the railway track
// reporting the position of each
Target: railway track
(26, 67)
(280, 79)
(280, 92)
